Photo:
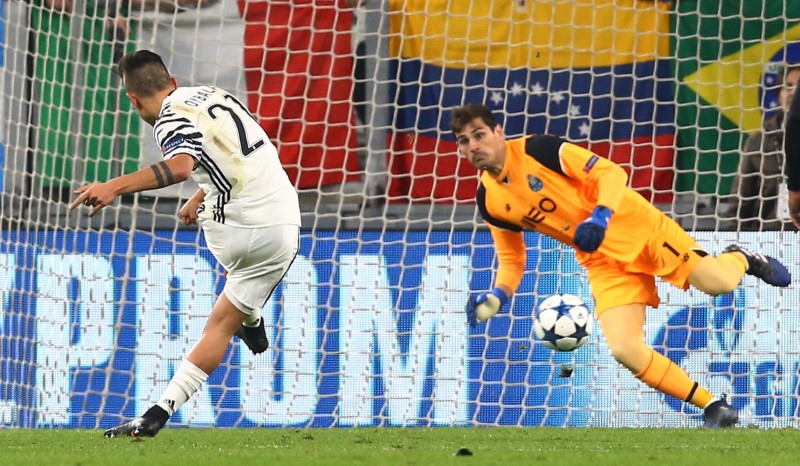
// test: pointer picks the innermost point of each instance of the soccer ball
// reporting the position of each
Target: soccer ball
(562, 322)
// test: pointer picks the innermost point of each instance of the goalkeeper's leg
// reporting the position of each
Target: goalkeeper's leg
(623, 328)
(205, 356)
(722, 274)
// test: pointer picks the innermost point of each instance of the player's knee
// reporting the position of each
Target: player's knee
(631, 352)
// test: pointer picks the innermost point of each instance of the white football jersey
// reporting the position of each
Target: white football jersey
(235, 162)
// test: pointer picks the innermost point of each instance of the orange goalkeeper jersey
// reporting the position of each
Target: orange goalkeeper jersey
(550, 186)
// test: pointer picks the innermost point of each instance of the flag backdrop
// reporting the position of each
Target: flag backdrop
(299, 73)
(596, 72)
(723, 52)
(3, 20)
(102, 97)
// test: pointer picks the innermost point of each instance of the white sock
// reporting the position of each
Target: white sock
(254, 319)
(183, 385)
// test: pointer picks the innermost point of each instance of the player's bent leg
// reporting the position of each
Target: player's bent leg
(623, 328)
(255, 337)
(202, 360)
(718, 275)
(767, 268)
(252, 331)
(253, 280)
(224, 321)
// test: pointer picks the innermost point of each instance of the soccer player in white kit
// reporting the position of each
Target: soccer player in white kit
(246, 205)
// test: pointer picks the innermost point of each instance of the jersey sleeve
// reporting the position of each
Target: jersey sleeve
(508, 242)
(176, 134)
(510, 247)
(573, 161)
(608, 179)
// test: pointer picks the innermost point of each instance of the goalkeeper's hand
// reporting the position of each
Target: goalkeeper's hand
(591, 232)
(485, 305)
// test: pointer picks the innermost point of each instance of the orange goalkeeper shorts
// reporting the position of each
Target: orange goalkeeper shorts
(669, 253)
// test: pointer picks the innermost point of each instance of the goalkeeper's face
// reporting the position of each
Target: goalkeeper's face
(484, 147)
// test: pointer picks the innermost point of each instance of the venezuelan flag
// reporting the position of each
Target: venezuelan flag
(596, 72)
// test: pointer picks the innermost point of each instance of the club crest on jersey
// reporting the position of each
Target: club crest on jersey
(172, 144)
(535, 183)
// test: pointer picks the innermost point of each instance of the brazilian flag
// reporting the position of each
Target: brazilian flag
(726, 54)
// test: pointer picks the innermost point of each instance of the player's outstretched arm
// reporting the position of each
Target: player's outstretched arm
(166, 173)
(511, 257)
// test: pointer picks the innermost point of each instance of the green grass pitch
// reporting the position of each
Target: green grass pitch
(406, 446)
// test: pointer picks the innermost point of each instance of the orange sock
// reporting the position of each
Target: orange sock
(668, 378)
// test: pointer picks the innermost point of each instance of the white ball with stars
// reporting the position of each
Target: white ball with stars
(562, 322)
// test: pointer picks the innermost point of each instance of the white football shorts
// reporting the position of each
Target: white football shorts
(256, 260)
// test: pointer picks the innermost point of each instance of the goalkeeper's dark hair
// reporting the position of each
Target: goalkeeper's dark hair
(461, 116)
(144, 73)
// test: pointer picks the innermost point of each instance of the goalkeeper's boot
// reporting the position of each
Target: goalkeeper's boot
(254, 337)
(720, 414)
(764, 267)
(146, 426)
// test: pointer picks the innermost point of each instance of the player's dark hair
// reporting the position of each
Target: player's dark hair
(783, 72)
(461, 116)
(144, 73)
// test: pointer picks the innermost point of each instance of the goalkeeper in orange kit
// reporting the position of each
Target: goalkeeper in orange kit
(545, 184)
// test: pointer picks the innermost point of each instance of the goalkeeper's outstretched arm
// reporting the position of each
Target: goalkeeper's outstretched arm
(510, 247)
(98, 195)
